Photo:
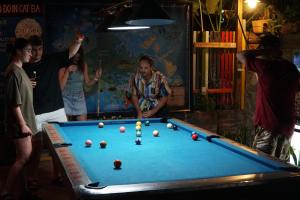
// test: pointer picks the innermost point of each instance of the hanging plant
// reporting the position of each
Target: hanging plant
(211, 14)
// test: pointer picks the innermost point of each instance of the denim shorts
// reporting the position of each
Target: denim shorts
(74, 103)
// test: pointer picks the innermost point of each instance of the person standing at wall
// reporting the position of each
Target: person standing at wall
(47, 98)
(148, 90)
(72, 79)
(278, 83)
(19, 114)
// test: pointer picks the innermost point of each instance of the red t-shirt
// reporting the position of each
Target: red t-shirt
(278, 82)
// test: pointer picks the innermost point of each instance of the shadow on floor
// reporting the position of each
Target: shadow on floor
(48, 190)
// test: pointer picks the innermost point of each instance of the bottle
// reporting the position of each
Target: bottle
(33, 76)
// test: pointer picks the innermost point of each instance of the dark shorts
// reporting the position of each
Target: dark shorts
(274, 144)
(14, 132)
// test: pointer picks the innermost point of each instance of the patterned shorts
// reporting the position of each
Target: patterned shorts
(276, 145)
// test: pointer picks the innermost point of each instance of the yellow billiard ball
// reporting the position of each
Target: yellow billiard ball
(138, 128)
(138, 123)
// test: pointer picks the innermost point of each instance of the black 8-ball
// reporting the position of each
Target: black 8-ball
(147, 123)
(175, 127)
(138, 141)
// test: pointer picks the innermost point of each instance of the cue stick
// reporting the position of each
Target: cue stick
(98, 90)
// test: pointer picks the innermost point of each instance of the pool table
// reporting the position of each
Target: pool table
(171, 165)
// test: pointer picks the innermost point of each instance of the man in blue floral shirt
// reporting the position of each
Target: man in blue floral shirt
(149, 90)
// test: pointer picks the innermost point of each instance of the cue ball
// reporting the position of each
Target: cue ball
(88, 143)
(117, 164)
(155, 133)
(169, 125)
(122, 129)
(101, 124)
(147, 123)
(138, 123)
(103, 144)
(138, 141)
(195, 136)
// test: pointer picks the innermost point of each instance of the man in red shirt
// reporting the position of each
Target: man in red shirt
(278, 83)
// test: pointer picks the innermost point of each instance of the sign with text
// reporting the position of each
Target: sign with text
(10, 9)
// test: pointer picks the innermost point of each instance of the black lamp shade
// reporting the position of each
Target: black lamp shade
(149, 13)
(119, 22)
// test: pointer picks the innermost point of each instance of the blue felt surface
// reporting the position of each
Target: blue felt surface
(171, 156)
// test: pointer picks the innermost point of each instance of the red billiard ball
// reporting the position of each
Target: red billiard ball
(88, 143)
(195, 136)
(103, 144)
(122, 129)
(101, 124)
(117, 164)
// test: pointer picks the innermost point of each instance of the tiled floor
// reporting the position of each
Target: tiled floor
(48, 190)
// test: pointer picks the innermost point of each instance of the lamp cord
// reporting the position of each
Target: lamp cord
(240, 23)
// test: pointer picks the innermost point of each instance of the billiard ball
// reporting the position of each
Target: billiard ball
(88, 143)
(147, 123)
(175, 127)
(138, 128)
(117, 164)
(138, 123)
(101, 124)
(155, 133)
(169, 125)
(138, 141)
(195, 136)
(103, 144)
(138, 133)
(122, 129)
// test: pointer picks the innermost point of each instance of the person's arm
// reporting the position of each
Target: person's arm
(25, 130)
(244, 55)
(96, 78)
(76, 44)
(63, 75)
(135, 102)
(161, 103)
